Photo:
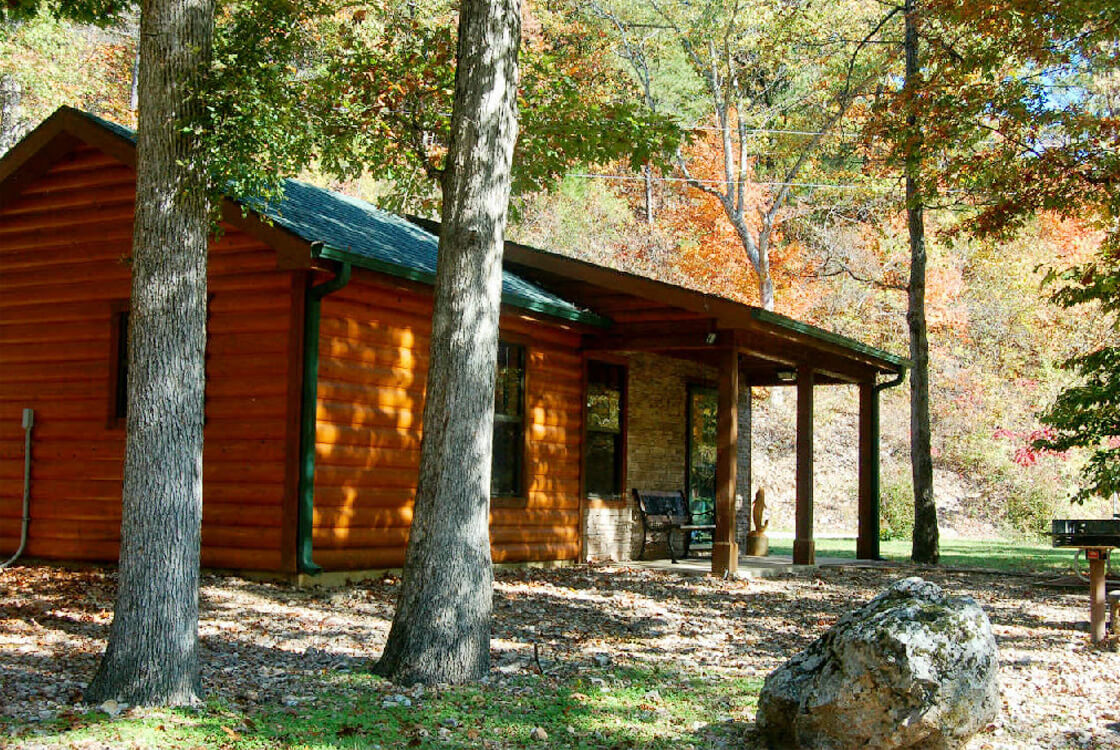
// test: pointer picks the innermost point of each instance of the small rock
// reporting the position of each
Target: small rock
(538, 734)
(652, 696)
(393, 701)
(112, 708)
(602, 660)
(450, 722)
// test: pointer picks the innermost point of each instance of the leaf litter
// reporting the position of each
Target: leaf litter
(272, 644)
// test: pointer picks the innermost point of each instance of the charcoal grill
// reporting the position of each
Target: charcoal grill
(1098, 537)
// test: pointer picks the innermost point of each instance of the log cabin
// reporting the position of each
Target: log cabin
(319, 317)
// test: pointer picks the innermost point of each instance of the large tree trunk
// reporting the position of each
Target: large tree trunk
(925, 540)
(441, 630)
(152, 656)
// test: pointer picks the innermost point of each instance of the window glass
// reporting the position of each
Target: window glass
(120, 396)
(604, 448)
(509, 422)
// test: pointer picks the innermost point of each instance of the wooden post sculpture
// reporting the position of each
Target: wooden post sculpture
(758, 544)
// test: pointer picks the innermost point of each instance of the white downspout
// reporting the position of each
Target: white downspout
(28, 423)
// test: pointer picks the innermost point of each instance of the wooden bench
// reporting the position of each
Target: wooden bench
(666, 512)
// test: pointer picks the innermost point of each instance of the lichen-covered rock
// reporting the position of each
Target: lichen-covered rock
(912, 668)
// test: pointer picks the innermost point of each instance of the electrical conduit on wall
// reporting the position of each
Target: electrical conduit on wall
(28, 423)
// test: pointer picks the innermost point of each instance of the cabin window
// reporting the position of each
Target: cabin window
(507, 469)
(605, 444)
(118, 406)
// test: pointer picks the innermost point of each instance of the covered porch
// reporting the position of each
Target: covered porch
(731, 347)
(738, 360)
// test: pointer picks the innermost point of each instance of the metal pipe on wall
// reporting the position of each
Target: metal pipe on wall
(28, 423)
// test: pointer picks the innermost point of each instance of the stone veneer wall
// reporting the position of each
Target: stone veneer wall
(656, 440)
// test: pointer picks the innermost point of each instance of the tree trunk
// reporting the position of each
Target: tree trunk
(441, 630)
(925, 540)
(757, 253)
(647, 173)
(152, 656)
(11, 121)
(766, 290)
(134, 87)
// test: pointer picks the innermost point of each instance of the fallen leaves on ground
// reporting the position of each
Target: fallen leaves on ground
(267, 643)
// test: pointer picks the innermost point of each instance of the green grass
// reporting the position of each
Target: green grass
(616, 709)
(998, 554)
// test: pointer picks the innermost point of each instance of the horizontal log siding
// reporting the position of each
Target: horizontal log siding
(372, 371)
(64, 245)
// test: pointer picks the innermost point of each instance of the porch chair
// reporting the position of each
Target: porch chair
(666, 512)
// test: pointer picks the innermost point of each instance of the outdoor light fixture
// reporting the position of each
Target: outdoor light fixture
(710, 338)
(787, 376)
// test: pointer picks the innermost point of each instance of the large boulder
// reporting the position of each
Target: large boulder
(912, 668)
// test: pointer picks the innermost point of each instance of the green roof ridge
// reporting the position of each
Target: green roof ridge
(783, 321)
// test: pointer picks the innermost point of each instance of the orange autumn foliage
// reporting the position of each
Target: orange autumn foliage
(708, 252)
(1074, 241)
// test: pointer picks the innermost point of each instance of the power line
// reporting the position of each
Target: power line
(770, 131)
(707, 128)
(638, 178)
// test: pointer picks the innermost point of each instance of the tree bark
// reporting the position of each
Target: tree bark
(441, 630)
(647, 174)
(925, 540)
(765, 281)
(11, 120)
(152, 656)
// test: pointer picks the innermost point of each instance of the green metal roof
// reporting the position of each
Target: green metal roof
(349, 229)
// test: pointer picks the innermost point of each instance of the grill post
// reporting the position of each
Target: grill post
(1098, 564)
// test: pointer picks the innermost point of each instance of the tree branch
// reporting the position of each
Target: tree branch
(840, 269)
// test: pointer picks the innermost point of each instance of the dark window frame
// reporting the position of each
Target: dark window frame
(520, 491)
(623, 418)
(118, 364)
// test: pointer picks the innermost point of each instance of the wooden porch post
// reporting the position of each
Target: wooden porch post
(867, 543)
(725, 550)
(804, 548)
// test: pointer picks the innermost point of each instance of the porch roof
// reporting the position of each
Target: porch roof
(655, 316)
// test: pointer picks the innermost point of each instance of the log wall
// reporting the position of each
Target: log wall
(373, 364)
(64, 244)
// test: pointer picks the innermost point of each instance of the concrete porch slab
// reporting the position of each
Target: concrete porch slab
(751, 567)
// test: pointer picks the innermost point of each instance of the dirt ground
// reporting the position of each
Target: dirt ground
(265, 642)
